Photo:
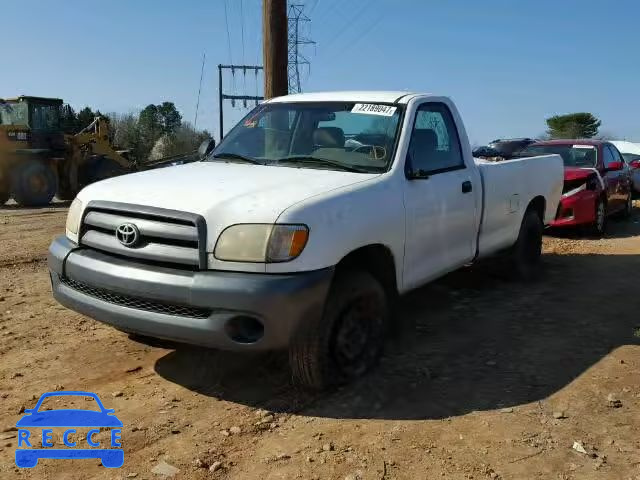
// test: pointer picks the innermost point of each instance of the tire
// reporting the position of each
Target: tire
(4, 190)
(33, 183)
(66, 193)
(628, 208)
(99, 168)
(346, 340)
(526, 253)
(599, 226)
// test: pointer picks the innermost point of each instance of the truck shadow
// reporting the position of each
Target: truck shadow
(473, 341)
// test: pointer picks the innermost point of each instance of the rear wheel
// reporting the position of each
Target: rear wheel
(527, 251)
(346, 341)
(33, 183)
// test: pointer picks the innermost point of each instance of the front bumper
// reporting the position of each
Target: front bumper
(196, 307)
(578, 209)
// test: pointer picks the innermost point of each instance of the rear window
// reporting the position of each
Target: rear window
(574, 155)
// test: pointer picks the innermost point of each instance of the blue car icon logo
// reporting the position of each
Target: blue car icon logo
(69, 419)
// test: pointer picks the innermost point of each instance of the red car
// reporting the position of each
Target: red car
(597, 182)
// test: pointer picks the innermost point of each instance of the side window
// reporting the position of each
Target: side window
(608, 156)
(617, 157)
(435, 146)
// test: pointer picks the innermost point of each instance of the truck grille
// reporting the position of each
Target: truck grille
(137, 303)
(161, 236)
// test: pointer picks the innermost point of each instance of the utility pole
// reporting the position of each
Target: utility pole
(222, 96)
(274, 47)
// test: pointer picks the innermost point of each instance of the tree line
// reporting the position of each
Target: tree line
(155, 132)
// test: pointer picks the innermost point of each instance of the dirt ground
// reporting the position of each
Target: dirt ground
(490, 380)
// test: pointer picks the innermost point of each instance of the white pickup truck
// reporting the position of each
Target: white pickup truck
(300, 229)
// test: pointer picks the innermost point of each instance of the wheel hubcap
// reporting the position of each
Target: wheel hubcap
(357, 334)
(37, 183)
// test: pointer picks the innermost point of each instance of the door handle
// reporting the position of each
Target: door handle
(467, 186)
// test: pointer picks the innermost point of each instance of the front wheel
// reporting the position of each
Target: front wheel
(527, 251)
(4, 187)
(346, 341)
(599, 225)
(33, 183)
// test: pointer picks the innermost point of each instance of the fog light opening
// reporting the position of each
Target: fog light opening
(244, 329)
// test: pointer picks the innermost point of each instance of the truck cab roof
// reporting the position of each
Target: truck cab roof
(28, 98)
(372, 96)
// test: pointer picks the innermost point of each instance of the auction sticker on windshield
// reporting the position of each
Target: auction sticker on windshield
(373, 109)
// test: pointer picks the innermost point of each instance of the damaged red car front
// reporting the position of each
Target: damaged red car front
(597, 183)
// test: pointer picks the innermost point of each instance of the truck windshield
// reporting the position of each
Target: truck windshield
(13, 113)
(330, 135)
(572, 155)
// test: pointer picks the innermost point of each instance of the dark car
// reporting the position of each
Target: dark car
(597, 182)
(486, 152)
(510, 147)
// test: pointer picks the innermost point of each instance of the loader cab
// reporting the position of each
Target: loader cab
(35, 120)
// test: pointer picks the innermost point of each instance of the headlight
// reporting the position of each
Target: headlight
(261, 243)
(73, 217)
(575, 190)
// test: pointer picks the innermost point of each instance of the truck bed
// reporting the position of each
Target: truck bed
(507, 188)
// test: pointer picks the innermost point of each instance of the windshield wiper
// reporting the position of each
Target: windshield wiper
(236, 156)
(307, 159)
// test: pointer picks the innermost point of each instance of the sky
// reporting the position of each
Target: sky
(508, 65)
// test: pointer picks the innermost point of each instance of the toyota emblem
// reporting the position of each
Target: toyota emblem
(128, 234)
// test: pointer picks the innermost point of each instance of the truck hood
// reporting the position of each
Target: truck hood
(223, 193)
(577, 173)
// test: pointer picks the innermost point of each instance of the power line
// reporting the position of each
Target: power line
(204, 57)
(313, 7)
(226, 21)
(242, 27)
(368, 27)
(350, 22)
(244, 78)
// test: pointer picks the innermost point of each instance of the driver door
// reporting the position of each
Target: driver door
(440, 202)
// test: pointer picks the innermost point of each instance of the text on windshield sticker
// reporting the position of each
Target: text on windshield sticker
(373, 109)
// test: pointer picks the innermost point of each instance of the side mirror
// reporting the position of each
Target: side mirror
(206, 147)
(634, 164)
(418, 174)
(615, 166)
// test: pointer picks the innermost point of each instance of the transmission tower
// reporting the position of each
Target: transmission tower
(295, 17)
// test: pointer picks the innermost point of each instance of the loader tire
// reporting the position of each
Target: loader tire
(4, 188)
(33, 183)
(100, 168)
(346, 340)
(66, 193)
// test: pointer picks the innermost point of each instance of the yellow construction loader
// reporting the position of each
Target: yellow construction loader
(38, 161)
